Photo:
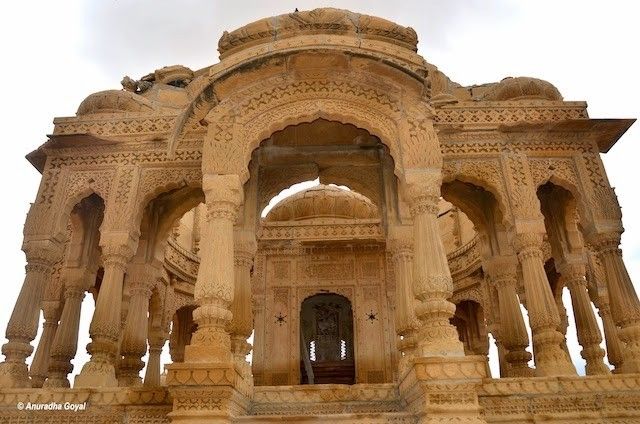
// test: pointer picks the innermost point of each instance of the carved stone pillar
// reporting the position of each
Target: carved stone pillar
(208, 372)
(134, 339)
(214, 287)
(65, 343)
(258, 359)
(550, 357)
(117, 250)
(157, 340)
(23, 324)
(503, 274)
(614, 348)
(625, 306)
(432, 278)
(40, 365)
(587, 328)
(401, 246)
(242, 324)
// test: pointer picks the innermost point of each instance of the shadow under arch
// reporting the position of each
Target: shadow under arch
(482, 208)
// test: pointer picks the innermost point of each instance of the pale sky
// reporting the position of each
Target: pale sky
(55, 53)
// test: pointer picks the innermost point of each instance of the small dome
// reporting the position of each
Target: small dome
(114, 101)
(522, 88)
(323, 201)
(317, 21)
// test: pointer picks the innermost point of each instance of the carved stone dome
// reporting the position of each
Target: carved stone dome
(323, 201)
(318, 21)
(522, 88)
(114, 101)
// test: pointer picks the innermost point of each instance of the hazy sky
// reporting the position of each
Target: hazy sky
(55, 53)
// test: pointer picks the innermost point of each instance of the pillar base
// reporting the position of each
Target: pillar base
(96, 374)
(207, 392)
(14, 375)
(440, 390)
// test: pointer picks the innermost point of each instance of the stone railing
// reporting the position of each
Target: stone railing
(465, 259)
(181, 262)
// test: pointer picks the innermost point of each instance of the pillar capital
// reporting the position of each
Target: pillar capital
(244, 247)
(422, 188)
(528, 243)
(223, 195)
(501, 269)
(51, 310)
(400, 241)
(42, 253)
(118, 247)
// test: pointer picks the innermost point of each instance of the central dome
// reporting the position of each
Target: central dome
(318, 21)
(323, 201)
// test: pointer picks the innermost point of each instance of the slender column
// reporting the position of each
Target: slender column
(105, 324)
(157, 340)
(614, 349)
(503, 274)
(242, 323)
(23, 324)
(65, 343)
(432, 278)
(134, 339)
(625, 306)
(587, 328)
(40, 364)
(214, 287)
(550, 357)
(406, 321)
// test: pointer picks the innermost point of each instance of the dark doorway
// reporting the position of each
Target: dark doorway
(326, 340)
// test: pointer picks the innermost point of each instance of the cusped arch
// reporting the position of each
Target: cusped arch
(71, 200)
(223, 155)
(238, 124)
(483, 174)
(576, 194)
(157, 181)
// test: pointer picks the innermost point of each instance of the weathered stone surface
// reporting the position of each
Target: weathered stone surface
(466, 202)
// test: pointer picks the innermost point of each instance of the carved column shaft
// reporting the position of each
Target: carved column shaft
(105, 324)
(23, 324)
(550, 357)
(65, 342)
(432, 279)
(406, 321)
(40, 364)
(214, 287)
(623, 299)
(242, 323)
(614, 348)
(134, 339)
(502, 272)
(587, 328)
(156, 342)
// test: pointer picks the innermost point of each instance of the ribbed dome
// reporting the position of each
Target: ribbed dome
(323, 202)
(114, 101)
(522, 88)
(317, 21)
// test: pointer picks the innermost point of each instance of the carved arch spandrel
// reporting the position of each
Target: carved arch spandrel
(482, 172)
(77, 184)
(156, 181)
(563, 172)
(233, 133)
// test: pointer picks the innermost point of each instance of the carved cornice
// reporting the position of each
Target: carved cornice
(495, 113)
(369, 229)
